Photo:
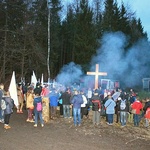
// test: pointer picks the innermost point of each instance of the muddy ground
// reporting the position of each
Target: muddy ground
(60, 134)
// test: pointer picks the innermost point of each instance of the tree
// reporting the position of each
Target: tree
(85, 34)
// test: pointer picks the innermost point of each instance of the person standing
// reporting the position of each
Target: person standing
(146, 110)
(123, 108)
(147, 117)
(60, 104)
(9, 109)
(137, 107)
(38, 109)
(53, 99)
(76, 101)
(96, 108)
(110, 109)
(83, 106)
(20, 98)
(45, 91)
(65, 96)
(29, 104)
(1, 96)
(89, 95)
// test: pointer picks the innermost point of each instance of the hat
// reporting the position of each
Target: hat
(19, 84)
(119, 98)
(109, 93)
(96, 91)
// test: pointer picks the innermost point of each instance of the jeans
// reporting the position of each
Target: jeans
(146, 122)
(2, 115)
(38, 114)
(110, 118)
(77, 116)
(66, 111)
(136, 119)
(7, 118)
(123, 118)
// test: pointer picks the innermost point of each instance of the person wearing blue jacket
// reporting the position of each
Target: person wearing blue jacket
(38, 113)
(53, 99)
(9, 109)
(110, 109)
(76, 101)
(1, 96)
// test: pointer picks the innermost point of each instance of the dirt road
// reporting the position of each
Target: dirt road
(60, 134)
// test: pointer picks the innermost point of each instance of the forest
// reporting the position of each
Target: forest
(43, 36)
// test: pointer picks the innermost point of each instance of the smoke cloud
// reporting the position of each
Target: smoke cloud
(128, 66)
(69, 74)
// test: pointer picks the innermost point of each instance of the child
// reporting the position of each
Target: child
(37, 110)
(29, 104)
(9, 109)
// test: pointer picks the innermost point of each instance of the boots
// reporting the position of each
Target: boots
(6, 126)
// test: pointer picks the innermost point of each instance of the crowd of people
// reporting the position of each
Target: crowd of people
(127, 107)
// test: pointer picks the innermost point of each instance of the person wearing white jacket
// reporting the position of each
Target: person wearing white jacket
(83, 106)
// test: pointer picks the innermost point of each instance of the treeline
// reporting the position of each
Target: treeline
(75, 34)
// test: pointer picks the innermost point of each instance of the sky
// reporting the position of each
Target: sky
(141, 7)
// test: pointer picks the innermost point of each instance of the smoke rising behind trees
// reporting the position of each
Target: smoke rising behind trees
(127, 66)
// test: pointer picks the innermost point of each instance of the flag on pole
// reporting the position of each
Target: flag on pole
(42, 80)
(33, 79)
(13, 89)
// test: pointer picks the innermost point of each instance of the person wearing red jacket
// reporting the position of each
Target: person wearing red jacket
(137, 105)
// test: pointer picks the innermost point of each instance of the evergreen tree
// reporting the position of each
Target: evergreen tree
(55, 40)
(108, 16)
(85, 35)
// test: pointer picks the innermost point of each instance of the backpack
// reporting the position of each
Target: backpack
(95, 105)
(123, 104)
(3, 104)
(39, 106)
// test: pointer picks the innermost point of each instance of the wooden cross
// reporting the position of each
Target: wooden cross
(97, 73)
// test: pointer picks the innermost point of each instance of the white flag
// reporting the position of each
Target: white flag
(13, 89)
(33, 79)
(42, 80)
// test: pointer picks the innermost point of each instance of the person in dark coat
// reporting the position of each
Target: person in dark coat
(147, 105)
(96, 108)
(66, 103)
(38, 89)
(123, 108)
(9, 109)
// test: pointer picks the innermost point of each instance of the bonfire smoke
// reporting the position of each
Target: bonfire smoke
(69, 74)
(127, 66)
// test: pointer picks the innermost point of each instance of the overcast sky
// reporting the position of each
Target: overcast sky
(141, 7)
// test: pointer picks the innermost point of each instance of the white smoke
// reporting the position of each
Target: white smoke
(69, 74)
(128, 66)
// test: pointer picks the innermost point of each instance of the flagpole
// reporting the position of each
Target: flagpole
(48, 56)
